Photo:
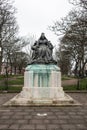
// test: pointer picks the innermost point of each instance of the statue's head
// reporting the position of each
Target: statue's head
(42, 37)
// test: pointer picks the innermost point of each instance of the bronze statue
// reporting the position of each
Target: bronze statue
(42, 51)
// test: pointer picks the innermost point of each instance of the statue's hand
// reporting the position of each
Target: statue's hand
(37, 46)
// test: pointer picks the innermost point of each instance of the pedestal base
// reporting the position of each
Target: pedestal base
(42, 87)
(19, 101)
(42, 97)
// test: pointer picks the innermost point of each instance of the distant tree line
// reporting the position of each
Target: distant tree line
(11, 45)
(73, 42)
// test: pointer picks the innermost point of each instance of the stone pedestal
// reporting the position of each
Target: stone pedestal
(42, 86)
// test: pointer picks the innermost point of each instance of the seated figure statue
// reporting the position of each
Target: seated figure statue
(42, 51)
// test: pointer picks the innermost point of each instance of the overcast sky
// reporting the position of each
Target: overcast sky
(34, 16)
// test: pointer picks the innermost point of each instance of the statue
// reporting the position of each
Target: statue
(42, 51)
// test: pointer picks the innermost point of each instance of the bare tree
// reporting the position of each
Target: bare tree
(8, 26)
(19, 61)
(73, 29)
(81, 3)
(17, 53)
(63, 60)
(30, 40)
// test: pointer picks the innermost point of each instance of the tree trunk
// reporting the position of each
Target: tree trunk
(15, 70)
(76, 69)
(0, 61)
(11, 69)
(0, 64)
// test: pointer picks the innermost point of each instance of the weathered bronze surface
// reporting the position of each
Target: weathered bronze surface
(42, 51)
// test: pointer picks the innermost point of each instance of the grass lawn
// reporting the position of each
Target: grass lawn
(16, 82)
(13, 83)
(64, 77)
(81, 85)
(11, 88)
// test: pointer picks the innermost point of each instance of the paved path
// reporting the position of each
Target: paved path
(57, 118)
(69, 82)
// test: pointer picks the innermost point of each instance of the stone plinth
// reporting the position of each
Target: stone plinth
(42, 86)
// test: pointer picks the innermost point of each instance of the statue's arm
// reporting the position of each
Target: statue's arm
(35, 46)
(50, 45)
